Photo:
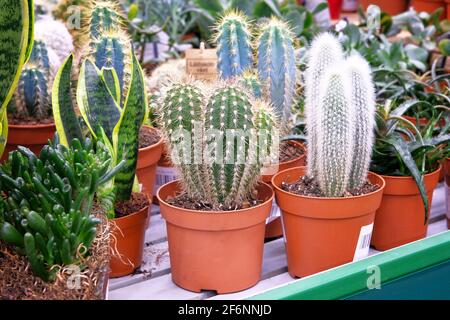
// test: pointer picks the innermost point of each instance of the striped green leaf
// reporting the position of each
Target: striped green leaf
(112, 81)
(134, 111)
(66, 120)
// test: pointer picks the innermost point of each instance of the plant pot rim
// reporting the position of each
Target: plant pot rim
(31, 126)
(221, 213)
(300, 146)
(136, 213)
(155, 145)
(278, 189)
(398, 178)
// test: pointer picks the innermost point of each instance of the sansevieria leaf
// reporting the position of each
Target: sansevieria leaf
(64, 114)
(97, 105)
(3, 130)
(134, 110)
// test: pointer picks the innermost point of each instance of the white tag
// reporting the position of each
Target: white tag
(165, 175)
(274, 212)
(107, 290)
(363, 245)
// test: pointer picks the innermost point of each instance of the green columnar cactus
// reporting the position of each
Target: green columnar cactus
(363, 100)
(276, 65)
(32, 97)
(219, 141)
(234, 49)
(47, 213)
(250, 80)
(335, 134)
(325, 53)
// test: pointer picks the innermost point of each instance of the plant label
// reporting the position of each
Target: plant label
(202, 63)
(363, 245)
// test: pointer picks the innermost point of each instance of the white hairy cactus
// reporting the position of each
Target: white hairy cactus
(325, 53)
(174, 70)
(363, 100)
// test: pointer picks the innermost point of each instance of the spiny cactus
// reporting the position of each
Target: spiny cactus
(229, 134)
(234, 49)
(172, 70)
(325, 53)
(363, 100)
(250, 81)
(276, 65)
(56, 37)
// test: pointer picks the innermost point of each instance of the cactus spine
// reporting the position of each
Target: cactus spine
(276, 65)
(234, 49)
(250, 81)
(363, 100)
(325, 53)
(224, 157)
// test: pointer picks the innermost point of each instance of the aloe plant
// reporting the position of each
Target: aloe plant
(47, 215)
(16, 41)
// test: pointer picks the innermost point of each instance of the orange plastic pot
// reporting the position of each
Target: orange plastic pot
(146, 165)
(447, 2)
(323, 233)
(447, 189)
(389, 6)
(220, 251)
(429, 6)
(127, 243)
(401, 216)
(274, 228)
(34, 137)
(335, 8)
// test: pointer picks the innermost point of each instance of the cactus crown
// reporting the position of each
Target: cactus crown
(32, 96)
(340, 115)
(234, 44)
(227, 133)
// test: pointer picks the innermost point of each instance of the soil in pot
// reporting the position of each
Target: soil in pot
(401, 216)
(390, 7)
(320, 232)
(128, 232)
(28, 132)
(150, 150)
(215, 250)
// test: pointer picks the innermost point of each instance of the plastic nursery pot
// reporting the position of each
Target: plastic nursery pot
(401, 216)
(148, 157)
(390, 7)
(274, 227)
(322, 233)
(335, 7)
(34, 137)
(212, 250)
(447, 2)
(127, 243)
(447, 189)
(429, 6)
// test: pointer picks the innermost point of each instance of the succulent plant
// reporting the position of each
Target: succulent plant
(250, 80)
(171, 70)
(47, 214)
(340, 114)
(325, 52)
(276, 65)
(219, 138)
(234, 45)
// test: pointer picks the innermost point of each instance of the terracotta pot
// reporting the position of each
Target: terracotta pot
(146, 165)
(429, 6)
(219, 251)
(274, 229)
(128, 240)
(335, 7)
(33, 137)
(322, 233)
(400, 218)
(390, 7)
(447, 189)
(447, 2)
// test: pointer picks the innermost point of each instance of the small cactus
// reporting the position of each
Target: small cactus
(250, 81)
(229, 141)
(173, 70)
(276, 65)
(234, 48)
(56, 37)
(326, 52)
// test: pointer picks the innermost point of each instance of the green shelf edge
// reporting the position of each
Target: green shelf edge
(351, 278)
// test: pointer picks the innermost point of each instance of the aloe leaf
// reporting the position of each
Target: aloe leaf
(128, 135)
(98, 107)
(64, 115)
(403, 151)
(433, 142)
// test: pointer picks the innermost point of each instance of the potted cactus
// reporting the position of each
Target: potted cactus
(328, 208)
(112, 101)
(273, 77)
(52, 241)
(219, 138)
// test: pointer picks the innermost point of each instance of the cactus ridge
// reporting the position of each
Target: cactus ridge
(250, 81)
(234, 45)
(325, 53)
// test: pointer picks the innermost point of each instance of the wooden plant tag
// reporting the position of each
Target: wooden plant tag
(202, 63)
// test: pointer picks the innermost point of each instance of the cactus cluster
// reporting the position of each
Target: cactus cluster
(276, 68)
(340, 113)
(47, 214)
(219, 138)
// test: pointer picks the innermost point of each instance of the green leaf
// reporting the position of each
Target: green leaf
(112, 81)
(403, 151)
(433, 142)
(213, 7)
(64, 115)
(320, 7)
